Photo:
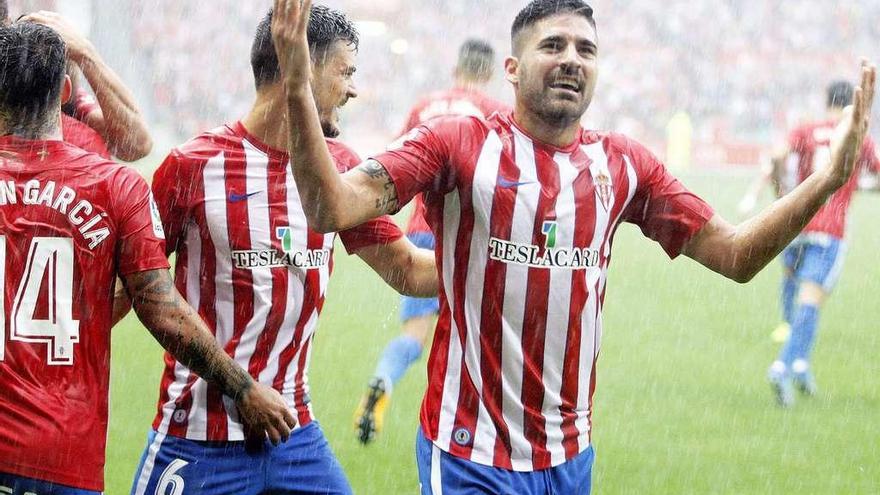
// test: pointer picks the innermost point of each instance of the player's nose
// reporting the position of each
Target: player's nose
(352, 91)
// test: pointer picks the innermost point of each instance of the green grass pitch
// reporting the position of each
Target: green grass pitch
(681, 405)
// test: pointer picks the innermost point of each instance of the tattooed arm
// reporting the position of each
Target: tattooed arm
(181, 331)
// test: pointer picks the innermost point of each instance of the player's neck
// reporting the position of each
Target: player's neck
(267, 120)
(468, 84)
(552, 133)
(47, 131)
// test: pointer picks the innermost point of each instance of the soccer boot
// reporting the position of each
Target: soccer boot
(782, 388)
(369, 417)
(805, 383)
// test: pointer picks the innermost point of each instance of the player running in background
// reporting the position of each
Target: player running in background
(247, 259)
(814, 260)
(476, 62)
(524, 208)
(70, 222)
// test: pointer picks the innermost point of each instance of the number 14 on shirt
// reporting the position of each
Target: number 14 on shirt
(49, 259)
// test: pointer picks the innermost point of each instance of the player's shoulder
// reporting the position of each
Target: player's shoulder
(343, 155)
(207, 145)
(615, 143)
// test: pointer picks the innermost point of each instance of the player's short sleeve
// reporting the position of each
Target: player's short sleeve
(662, 207)
(380, 230)
(141, 238)
(171, 182)
(419, 161)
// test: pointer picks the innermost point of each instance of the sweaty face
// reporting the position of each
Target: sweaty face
(557, 67)
(333, 84)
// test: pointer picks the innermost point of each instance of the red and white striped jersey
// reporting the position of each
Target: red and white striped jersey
(251, 266)
(524, 234)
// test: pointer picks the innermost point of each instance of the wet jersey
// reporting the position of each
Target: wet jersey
(70, 221)
(251, 266)
(524, 233)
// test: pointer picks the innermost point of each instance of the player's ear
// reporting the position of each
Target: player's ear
(66, 90)
(511, 68)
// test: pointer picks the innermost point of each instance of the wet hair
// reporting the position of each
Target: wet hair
(475, 59)
(326, 27)
(538, 10)
(840, 94)
(32, 61)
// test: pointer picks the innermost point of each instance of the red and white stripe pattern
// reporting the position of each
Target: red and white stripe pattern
(264, 316)
(513, 367)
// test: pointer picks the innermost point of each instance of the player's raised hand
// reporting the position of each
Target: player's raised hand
(290, 23)
(846, 144)
(77, 44)
(264, 413)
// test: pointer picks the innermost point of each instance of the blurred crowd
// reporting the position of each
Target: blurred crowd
(742, 70)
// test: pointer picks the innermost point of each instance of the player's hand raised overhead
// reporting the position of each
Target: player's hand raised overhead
(77, 44)
(849, 136)
(264, 413)
(290, 22)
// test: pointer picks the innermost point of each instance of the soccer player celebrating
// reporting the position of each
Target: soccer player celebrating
(70, 222)
(249, 261)
(814, 260)
(111, 125)
(473, 72)
(524, 208)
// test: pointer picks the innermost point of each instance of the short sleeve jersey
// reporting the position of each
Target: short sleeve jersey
(524, 233)
(810, 151)
(70, 222)
(249, 263)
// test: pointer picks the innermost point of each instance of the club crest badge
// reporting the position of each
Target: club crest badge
(604, 188)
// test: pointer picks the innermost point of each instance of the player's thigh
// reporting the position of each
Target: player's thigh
(176, 466)
(820, 271)
(305, 465)
(20, 485)
(443, 473)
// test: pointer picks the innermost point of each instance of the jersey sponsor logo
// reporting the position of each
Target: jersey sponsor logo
(509, 184)
(156, 219)
(79, 212)
(271, 258)
(549, 257)
(235, 198)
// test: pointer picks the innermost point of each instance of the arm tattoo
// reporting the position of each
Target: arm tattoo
(387, 201)
(182, 332)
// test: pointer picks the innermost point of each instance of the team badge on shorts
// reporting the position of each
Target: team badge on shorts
(462, 436)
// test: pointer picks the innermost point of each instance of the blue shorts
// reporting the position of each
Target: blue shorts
(302, 465)
(19, 485)
(417, 307)
(443, 473)
(815, 259)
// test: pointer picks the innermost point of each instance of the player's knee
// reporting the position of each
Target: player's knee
(419, 328)
(812, 294)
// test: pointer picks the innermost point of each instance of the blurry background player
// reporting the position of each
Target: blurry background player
(814, 260)
(525, 206)
(112, 125)
(70, 222)
(247, 259)
(476, 64)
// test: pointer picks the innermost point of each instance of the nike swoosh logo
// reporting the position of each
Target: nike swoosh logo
(235, 198)
(509, 184)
